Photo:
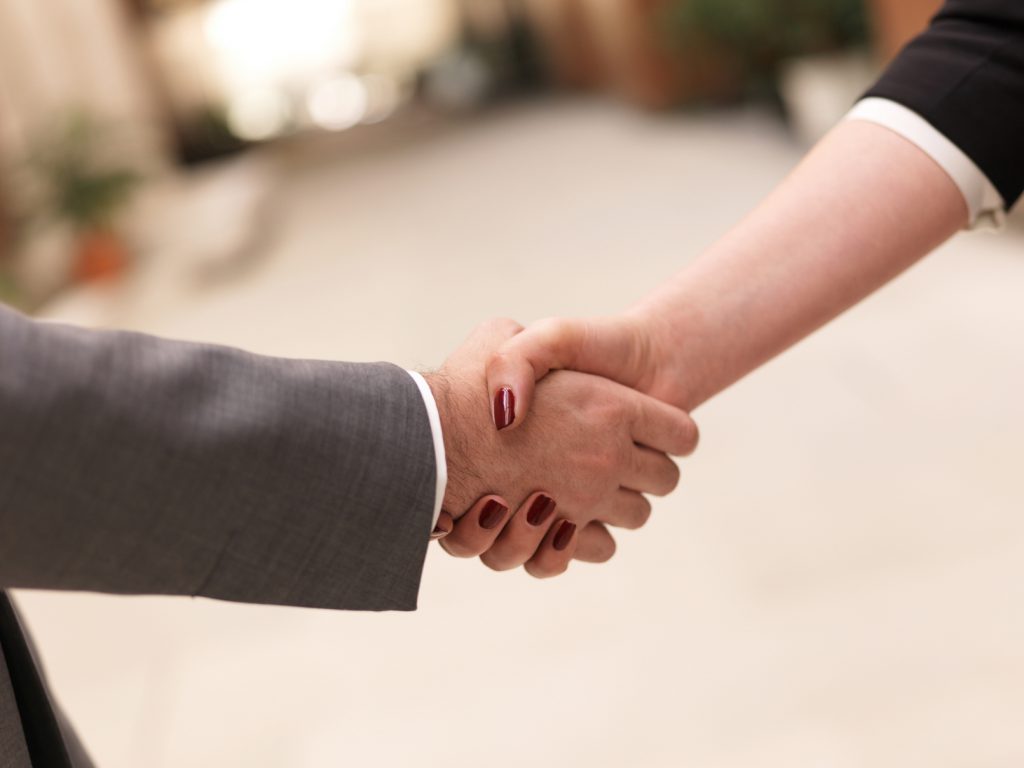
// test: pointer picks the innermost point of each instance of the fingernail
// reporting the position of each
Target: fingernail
(442, 529)
(540, 510)
(504, 407)
(492, 514)
(564, 535)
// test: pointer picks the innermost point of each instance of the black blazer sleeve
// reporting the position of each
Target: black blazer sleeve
(965, 76)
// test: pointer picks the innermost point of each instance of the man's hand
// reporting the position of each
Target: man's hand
(592, 448)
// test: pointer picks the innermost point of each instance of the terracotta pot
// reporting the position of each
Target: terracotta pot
(101, 254)
(897, 22)
(624, 45)
(6, 234)
(569, 46)
(650, 69)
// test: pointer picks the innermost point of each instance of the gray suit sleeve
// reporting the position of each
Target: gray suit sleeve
(130, 464)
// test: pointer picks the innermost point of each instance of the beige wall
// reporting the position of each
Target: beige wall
(60, 54)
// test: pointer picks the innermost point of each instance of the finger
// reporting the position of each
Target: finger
(491, 333)
(475, 531)
(595, 544)
(650, 471)
(625, 509)
(663, 427)
(483, 341)
(608, 347)
(523, 534)
(555, 552)
(443, 526)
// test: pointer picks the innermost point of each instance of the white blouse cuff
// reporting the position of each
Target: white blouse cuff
(986, 207)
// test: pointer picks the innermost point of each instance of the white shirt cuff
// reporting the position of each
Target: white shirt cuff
(435, 429)
(985, 205)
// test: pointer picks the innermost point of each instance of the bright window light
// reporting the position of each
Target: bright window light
(338, 103)
(280, 41)
(258, 114)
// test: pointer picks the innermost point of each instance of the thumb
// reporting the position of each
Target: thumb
(444, 525)
(609, 347)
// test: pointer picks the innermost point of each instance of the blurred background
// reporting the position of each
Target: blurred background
(837, 581)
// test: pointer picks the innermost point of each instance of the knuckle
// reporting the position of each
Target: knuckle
(637, 515)
(558, 332)
(674, 476)
(611, 461)
(689, 437)
(535, 570)
(457, 548)
(637, 414)
(589, 496)
(497, 360)
(504, 325)
(508, 554)
(546, 570)
(509, 362)
(670, 477)
(549, 326)
(600, 551)
(607, 551)
(636, 461)
(643, 514)
(624, 453)
(596, 468)
(497, 562)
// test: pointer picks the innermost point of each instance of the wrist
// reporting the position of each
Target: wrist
(454, 428)
(669, 337)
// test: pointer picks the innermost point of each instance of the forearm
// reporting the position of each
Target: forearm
(863, 206)
(134, 464)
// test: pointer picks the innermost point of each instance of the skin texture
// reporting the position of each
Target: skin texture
(594, 447)
(862, 207)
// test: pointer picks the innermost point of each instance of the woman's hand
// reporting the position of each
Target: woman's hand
(623, 348)
(534, 536)
(591, 449)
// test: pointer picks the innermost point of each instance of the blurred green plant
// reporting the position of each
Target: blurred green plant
(9, 293)
(73, 175)
(762, 34)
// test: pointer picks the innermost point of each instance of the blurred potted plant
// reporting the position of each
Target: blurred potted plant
(7, 285)
(79, 182)
(643, 60)
(896, 22)
(759, 35)
(564, 28)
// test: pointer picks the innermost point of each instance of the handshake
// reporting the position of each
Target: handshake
(551, 435)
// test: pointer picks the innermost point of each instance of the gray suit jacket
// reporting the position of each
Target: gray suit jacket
(131, 465)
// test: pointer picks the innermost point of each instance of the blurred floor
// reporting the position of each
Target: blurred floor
(837, 583)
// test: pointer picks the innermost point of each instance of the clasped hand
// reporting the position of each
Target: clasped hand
(542, 461)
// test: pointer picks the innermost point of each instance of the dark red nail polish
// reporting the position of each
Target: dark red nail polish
(504, 407)
(540, 510)
(564, 535)
(492, 514)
